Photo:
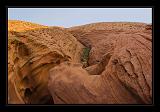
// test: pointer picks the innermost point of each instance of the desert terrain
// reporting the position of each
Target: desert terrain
(97, 63)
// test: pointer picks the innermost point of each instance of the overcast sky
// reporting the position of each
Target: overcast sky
(68, 17)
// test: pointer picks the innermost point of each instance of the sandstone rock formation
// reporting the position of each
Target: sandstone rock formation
(120, 66)
(45, 64)
(31, 54)
(21, 26)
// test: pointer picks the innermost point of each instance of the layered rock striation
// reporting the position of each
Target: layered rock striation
(31, 54)
(99, 63)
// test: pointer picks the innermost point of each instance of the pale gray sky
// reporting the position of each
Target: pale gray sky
(68, 17)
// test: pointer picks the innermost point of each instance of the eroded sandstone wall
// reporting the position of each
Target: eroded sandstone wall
(31, 54)
(120, 70)
(44, 64)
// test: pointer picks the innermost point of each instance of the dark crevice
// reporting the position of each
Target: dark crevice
(133, 93)
(46, 100)
(27, 92)
(60, 98)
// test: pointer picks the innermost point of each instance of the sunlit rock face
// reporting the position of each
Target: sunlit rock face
(45, 64)
(31, 54)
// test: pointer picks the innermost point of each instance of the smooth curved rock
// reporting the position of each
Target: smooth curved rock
(31, 54)
(120, 70)
(44, 64)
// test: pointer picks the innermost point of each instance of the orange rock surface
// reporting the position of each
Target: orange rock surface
(45, 64)
(31, 54)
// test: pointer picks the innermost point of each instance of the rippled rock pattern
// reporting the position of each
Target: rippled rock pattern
(30, 56)
(45, 64)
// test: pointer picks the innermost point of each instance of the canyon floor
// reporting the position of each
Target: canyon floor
(98, 63)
